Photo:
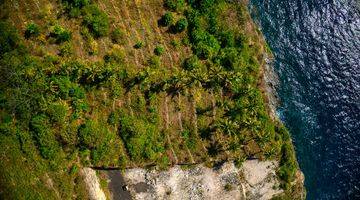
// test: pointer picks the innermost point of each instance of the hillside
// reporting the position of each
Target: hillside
(134, 83)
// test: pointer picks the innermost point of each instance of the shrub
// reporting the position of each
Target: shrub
(74, 12)
(229, 58)
(46, 140)
(202, 5)
(73, 7)
(66, 49)
(181, 25)
(65, 88)
(228, 187)
(288, 165)
(9, 38)
(92, 46)
(191, 63)
(60, 34)
(206, 45)
(96, 20)
(159, 50)
(190, 139)
(90, 134)
(57, 112)
(76, 3)
(141, 138)
(203, 51)
(116, 55)
(117, 36)
(138, 45)
(175, 5)
(154, 62)
(175, 43)
(32, 29)
(167, 19)
(227, 39)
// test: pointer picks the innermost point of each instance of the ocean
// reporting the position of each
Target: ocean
(316, 44)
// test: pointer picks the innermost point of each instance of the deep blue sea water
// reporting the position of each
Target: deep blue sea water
(316, 44)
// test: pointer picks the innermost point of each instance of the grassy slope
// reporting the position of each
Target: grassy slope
(182, 124)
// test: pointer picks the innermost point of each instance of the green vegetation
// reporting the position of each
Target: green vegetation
(75, 95)
(167, 19)
(60, 34)
(175, 5)
(159, 50)
(32, 29)
(138, 45)
(117, 36)
(96, 20)
(181, 25)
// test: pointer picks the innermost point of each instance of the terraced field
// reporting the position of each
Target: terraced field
(139, 21)
(140, 93)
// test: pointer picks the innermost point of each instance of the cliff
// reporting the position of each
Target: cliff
(136, 84)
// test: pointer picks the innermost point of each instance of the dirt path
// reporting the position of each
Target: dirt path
(116, 186)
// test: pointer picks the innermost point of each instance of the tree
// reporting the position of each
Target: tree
(96, 20)
(191, 63)
(181, 25)
(175, 5)
(167, 19)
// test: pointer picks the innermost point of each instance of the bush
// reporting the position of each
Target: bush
(227, 39)
(141, 138)
(58, 112)
(116, 55)
(154, 62)
(66, 49)
(32, 29)
(65, 88)
(203, 51)
(175, 43)
(229, 58)
(76, 3)
(288, 164)
(60, 34)
(181, 25)
(159, 50)
(191, 63)
(175, 5)
(9, 38)
(167, 19)
(138, 45)
(202, 5)
(91, 134)
(206, 45)
(96, 20)
(46, 140)
(117, 36)
(73, 7)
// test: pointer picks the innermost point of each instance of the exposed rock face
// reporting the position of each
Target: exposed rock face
(271, 81)
(92, 184)
(255, 180)
(260, 178)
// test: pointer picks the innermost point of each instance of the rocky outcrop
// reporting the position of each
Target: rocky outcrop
(254, 180)
(92, 184)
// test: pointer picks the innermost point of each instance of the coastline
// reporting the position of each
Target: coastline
(271, 83)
